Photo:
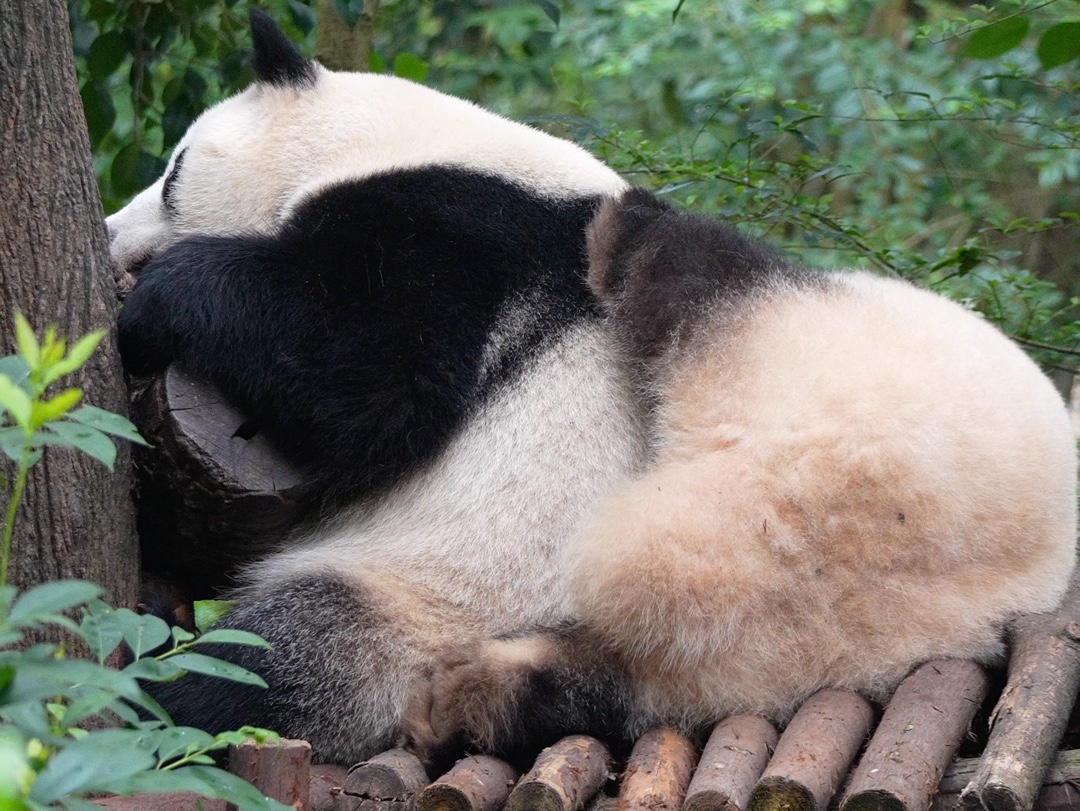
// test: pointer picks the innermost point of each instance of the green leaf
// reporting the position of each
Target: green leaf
(303, 16)
(26, 341)
(1059, 44)
(133, 170)
(182, 740)
(209, 613)
(233, 637)
(88, 440)
(99, 111)
(997, 38)
(15, 369)
(12, 443)
(53, 409)
(89, 704)
(409, 66)
(41, 602)
(107, 422)
(142, 632)
(209, 666)
(97, 763)
(15, 401)
(101, 632)
(154, 670)
(551, 9)
(78, 355)
(106, 53)
(234, 789)
(34, 679)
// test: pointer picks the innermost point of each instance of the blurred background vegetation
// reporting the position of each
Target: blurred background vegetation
(935, 140)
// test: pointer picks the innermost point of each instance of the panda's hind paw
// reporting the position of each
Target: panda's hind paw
(471, 697)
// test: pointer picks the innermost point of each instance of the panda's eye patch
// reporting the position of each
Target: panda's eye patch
(169, 188)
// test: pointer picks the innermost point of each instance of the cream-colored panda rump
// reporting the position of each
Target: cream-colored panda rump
(251, 159)
(850, 480)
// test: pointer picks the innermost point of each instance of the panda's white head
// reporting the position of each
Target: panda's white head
(245, 163)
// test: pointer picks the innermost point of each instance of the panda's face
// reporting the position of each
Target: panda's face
(243, 166)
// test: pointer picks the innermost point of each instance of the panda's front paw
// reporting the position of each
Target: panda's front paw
(472, 696)
(143, 331)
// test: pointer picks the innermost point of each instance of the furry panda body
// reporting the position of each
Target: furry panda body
(392, 282)
(853, 475)
(850, 476)
(579, 478)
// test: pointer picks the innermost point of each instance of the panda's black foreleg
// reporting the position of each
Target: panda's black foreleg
(349, 390)
(514, 696)
(337, 673)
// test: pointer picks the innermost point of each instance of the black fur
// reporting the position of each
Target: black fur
(356, 336)
(658, 269)
(274, 58)
(318, 628)
(583, 692)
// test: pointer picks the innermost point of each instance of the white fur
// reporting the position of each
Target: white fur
(252, 158)
(482, 529)
(849, 482)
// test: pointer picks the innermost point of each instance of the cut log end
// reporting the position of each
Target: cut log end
(779, 794)
(1002, 798)
(392, 775)
(564, 777)
(476, 783)
(536, 796)
(443, 797)
(874, 800)
(709, 800)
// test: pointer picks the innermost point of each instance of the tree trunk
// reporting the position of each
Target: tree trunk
(76, 518)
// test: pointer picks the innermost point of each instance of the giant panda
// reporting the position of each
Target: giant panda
(392, 282)
(590, 464)
(850, 476)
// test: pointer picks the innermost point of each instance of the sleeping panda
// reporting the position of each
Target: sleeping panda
(851, 476)
(393, 283)
(578, 478)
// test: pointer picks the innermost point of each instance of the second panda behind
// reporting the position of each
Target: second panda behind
(851, 476)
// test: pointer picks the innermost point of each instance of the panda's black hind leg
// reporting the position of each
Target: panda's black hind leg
(331, 671)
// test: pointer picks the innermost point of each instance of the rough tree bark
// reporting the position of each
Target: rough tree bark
(77, 518)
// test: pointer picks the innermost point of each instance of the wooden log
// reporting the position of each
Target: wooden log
(392, 776)
(476, 783)
(1029, 719)
(1058, 792)
(731, 763)
(918, 735)
(281, 771)
(564, 777)
(657, 772)
(326, 782)
(814, 753)
(214, 493)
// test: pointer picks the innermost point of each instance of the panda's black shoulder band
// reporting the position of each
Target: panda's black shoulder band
(274, 57)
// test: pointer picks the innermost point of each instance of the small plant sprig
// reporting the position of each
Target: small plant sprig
(48, 757)
(34, 421)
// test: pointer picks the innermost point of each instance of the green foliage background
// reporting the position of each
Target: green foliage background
(934, 140)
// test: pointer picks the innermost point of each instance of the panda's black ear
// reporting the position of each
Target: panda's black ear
(615, 235)
(275, 59)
